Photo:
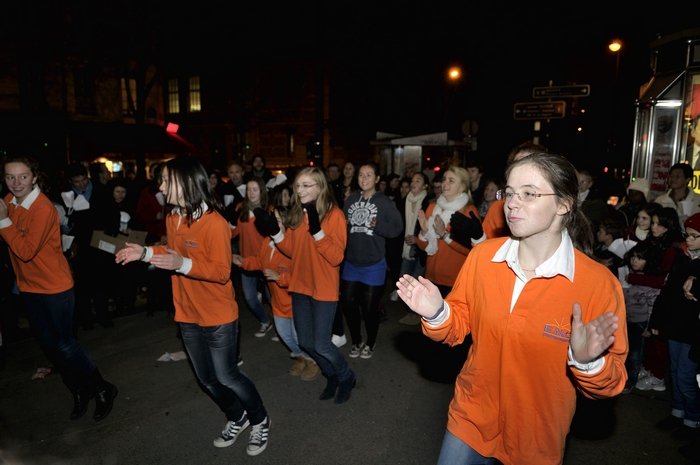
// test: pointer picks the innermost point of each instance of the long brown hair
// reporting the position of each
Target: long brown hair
(246, 206)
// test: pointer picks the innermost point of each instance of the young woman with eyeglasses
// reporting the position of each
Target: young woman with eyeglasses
(546, 320)
(314, 237)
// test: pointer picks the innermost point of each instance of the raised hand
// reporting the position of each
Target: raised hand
(265, 223)
(312, 215)
(464, 228)
(421, 295)
(588, 341)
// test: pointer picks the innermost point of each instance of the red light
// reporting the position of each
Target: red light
(172, 128)
(311, 163)
(427, 158)
(436, 169)
(605, 170)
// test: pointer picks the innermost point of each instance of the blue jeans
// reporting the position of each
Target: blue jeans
(313, 320)
(51, 318)
(213, 353)
(288, 334)
(686, 395)
(249, 284)
(456, 452)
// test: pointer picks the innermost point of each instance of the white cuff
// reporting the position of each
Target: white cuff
(590, 368)
(186, 266)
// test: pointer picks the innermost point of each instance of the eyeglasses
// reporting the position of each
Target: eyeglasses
(524, 196)
(690, 236)
(305, 186)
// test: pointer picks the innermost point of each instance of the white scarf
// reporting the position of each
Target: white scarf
(444, 210)
(413, 204)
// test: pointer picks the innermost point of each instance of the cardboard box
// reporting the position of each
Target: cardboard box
(111, 244)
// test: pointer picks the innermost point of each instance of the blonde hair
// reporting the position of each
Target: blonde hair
(324, 202)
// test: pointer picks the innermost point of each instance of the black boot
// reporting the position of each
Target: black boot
(105, 393)
(345, 388)
(331, 386)
(81, 399)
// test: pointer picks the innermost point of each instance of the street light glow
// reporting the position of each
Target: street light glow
(615, 45)
(454, 73)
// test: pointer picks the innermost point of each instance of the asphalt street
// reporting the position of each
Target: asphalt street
(396, 414)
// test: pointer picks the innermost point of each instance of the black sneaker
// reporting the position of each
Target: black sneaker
(259, 437)
(231, 431)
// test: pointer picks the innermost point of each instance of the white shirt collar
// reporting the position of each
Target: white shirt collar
(561, 262)
(29, 199)
(196, 216)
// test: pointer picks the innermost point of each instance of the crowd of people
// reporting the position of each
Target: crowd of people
(538, 272)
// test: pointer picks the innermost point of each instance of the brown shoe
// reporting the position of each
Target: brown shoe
(298, 366)
(311, 371)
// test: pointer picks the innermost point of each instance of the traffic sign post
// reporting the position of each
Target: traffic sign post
(539, 110)
(582, 90)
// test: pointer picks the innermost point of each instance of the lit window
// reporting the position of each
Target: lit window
(173, 96)
(195, 97)
(128, 104)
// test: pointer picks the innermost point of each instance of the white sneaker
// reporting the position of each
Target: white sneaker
(366, 352)
(356, 350)
(231, 432)
(259, 437)
(339, 341)
(651, 382)
(263, 330)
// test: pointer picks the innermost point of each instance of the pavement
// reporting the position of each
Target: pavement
(396, 415)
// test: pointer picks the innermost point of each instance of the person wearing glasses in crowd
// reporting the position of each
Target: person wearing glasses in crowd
(546, 320)
(198, 251)
(314, 237)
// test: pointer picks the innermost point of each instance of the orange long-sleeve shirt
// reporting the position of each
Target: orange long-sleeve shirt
(33, 236)
(249, 237)
(270, 257)
(205, 295)
(515, 396)
(442, 267)
(494, 223)
(316, 263)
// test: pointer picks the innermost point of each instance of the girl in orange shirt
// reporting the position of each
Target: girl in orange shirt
(199, 252)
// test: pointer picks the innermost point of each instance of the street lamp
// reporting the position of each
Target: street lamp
(615, 46)
(453, 77)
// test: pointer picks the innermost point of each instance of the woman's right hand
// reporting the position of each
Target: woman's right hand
(410, 240)
(421, 295)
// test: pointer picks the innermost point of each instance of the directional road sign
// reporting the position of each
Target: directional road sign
(582, 90)
(539, 110)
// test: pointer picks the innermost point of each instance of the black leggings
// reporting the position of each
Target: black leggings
(360, 301)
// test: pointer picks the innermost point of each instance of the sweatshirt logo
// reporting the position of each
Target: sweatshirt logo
(361, 215)
(191, 244)
(557, 331)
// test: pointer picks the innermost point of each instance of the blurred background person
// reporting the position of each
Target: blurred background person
(372, 218)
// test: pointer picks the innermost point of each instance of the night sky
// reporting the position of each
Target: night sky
(387, 60)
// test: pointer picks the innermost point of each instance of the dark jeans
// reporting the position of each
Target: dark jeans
(214, 355)
(313, 320)
(51, 319)
(360, 301)
(635, 341)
